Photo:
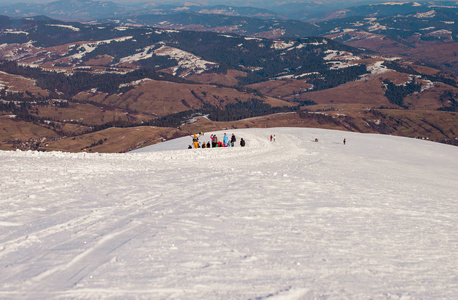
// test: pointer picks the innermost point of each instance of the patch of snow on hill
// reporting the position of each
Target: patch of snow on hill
(64, 26)
(280, 45)
(15, 52)
(340, 55)
(426, 85)
(376, 26)
(291, 219)
(227, 36)
(86, 48)
(218, 12)
(303, 45)
(186, 60)
(357, 24)
(307, 74)
(388, 3)
(11, 31)
(340, 65)
(441, 32)
(428, 14)
(134, 83)
(145, 54)
(377, 68)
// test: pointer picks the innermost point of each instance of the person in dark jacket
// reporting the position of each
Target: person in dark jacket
(233, 140)
(242, 142)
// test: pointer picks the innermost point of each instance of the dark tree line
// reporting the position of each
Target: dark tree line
(231, 112)
(449, 100)
(397, 93)
(243, 110)
(71, 85)
(333, 78)
(409, 70)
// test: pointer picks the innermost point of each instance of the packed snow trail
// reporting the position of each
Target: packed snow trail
(291, 219)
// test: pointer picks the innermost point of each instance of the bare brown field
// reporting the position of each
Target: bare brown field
(281, 88)
(374, 42)
(437, 53)
(432, 125)
(112, 140)
(101, 60)
(70, 129)
(368, 92)
(434, 52)
(87, 114)
(425, 70)
(16, 83)
(11, 129)
(162, 97)
(429, 98)
(228, 79)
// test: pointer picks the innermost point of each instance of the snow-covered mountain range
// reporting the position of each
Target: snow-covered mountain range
(288, 219)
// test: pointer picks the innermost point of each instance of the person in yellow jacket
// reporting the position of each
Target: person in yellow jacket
(195, 141)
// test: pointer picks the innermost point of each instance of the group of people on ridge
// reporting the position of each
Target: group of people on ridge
(215, 142)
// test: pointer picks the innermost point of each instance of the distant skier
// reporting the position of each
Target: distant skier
(208, 144)
(242, 142)
(344, 141)
(271, 138)
(274, 137)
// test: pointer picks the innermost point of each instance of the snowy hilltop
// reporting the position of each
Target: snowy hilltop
(376, 218)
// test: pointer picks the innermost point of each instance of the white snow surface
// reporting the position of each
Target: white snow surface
(376, 218)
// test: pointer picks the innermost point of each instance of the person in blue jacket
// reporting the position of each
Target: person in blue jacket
(225, 140)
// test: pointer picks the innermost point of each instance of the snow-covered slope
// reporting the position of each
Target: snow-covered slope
(376, 218)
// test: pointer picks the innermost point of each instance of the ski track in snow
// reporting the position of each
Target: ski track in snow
(290, 219)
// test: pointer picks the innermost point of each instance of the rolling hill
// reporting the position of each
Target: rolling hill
(75, 79)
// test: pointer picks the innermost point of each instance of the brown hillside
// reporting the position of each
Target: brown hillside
(101, 60)
(281, 88)
(16, 83)
(112, 140)
(162, 98)
(12, 129)
(428, 99)
(228, 79)
(87, 114)
(434, 52)
(369, 92)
